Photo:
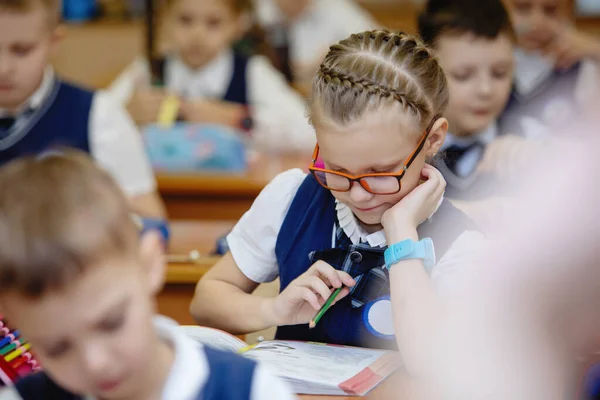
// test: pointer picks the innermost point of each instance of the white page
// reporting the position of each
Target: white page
(214, 338)
(327, 365)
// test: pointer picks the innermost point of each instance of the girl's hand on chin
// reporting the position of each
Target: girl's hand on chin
(401, 221)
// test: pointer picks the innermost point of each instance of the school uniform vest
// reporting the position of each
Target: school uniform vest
(555, 97)
(230, 378)
(237, 91)
(306, 236)
(61, 120)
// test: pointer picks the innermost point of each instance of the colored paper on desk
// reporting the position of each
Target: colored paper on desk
(186, 147)
(168, 112)
(311, 368)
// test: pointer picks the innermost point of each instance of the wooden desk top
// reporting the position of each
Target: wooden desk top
(194, 235)
(261, 170)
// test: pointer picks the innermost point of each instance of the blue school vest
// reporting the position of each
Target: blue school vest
(61, 120)
(306, 236)
(558, 89)
(237, 91)
(230, 378)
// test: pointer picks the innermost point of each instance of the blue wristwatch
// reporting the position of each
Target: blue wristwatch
(409, 249)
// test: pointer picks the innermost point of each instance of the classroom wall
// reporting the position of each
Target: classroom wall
(93, 54)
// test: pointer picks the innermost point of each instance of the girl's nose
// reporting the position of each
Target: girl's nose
(359, 194)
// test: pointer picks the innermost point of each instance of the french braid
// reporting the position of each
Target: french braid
(371, 67)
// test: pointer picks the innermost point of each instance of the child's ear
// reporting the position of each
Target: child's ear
(436, 137)
(152, 255)
(59, 33)
(57, 36)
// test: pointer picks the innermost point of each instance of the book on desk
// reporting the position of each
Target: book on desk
(310, 368)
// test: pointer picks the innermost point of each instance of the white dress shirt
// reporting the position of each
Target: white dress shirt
(190, 370)
(252, 241)
(114, 140)
(279, 113)
(322, 24)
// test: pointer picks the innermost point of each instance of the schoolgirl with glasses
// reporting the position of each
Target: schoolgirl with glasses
(371, 208)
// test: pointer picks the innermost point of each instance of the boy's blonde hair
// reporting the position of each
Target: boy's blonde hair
(52, 6)
(371, 68)
(59, 215)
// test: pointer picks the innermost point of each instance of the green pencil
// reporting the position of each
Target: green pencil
(325, 307)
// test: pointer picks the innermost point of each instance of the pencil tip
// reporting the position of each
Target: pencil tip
(311, 324)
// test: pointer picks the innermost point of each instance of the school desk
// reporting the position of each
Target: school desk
(213, 196)
(181, 278)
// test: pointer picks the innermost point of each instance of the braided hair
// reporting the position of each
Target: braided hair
(371, 68)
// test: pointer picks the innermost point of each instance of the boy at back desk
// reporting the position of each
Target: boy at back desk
(78, 280)
(557, 68)
(474, 43)
(38, 110)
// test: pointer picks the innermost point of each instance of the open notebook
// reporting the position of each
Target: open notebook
(310, 368)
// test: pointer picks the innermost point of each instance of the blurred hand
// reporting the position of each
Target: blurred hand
(145, 105)
(570, 46)
(213, 111)
(305, 295)
(415, 207)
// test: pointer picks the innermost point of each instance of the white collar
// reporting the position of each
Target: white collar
(531, 70)
(37, 98)
(189, 371)
(484, 137)
(354, 230)
(210, 81)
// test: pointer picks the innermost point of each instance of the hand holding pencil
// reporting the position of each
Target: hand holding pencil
(304, 297)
